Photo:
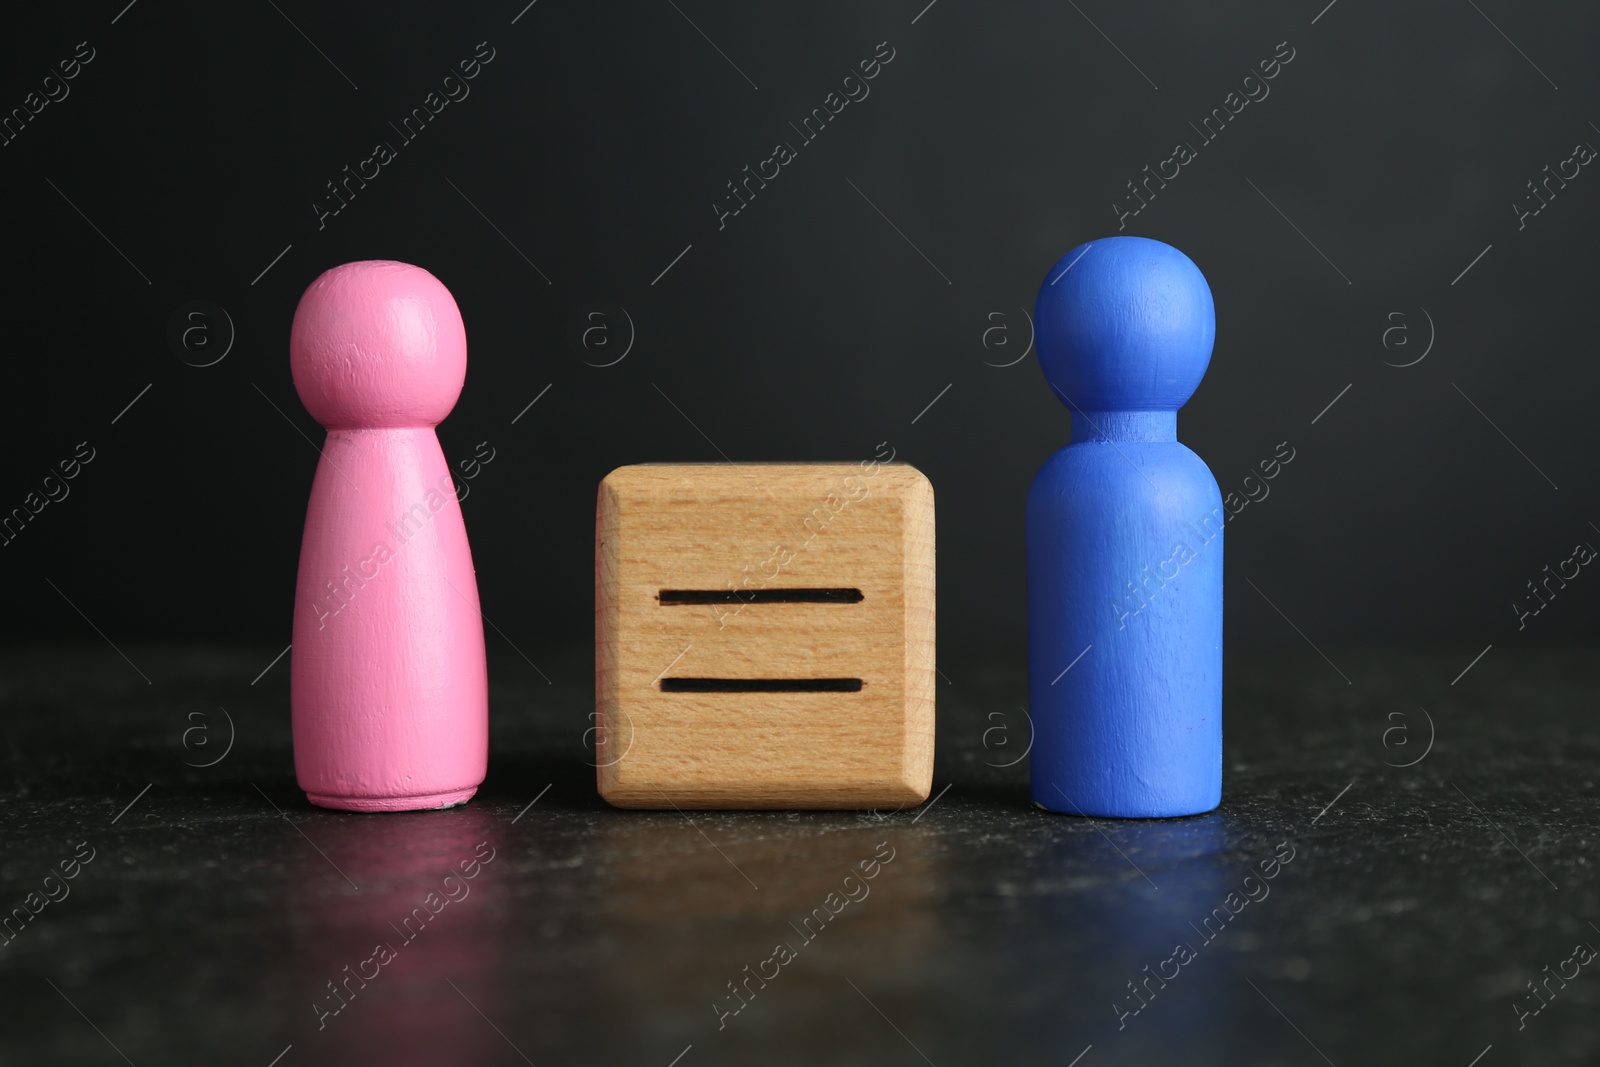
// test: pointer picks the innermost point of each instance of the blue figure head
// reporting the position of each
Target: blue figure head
(1124, 324)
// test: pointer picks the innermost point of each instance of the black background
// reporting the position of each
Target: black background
(598, 139)
(1444, 831)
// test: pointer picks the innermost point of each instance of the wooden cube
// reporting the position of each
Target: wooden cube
(764, 635)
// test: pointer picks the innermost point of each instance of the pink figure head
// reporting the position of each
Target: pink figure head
(378, 344)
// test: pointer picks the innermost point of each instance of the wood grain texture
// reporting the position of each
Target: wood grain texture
(741, 527)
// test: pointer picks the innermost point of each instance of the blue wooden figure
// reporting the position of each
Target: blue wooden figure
(1125, 543)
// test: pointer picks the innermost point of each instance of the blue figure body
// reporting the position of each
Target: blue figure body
(1125, 543)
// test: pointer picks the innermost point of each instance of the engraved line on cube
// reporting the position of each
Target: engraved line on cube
(760, 685)
(806, 595)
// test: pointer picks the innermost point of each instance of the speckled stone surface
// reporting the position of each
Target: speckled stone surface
(1415, 904)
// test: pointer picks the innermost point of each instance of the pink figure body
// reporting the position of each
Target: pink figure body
(389, 686)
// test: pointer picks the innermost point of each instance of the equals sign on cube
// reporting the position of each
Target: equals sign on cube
(764, 636)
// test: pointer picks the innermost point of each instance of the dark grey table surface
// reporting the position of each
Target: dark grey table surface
(218, 906)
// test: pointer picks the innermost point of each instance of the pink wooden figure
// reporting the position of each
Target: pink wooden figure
(389, 686)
